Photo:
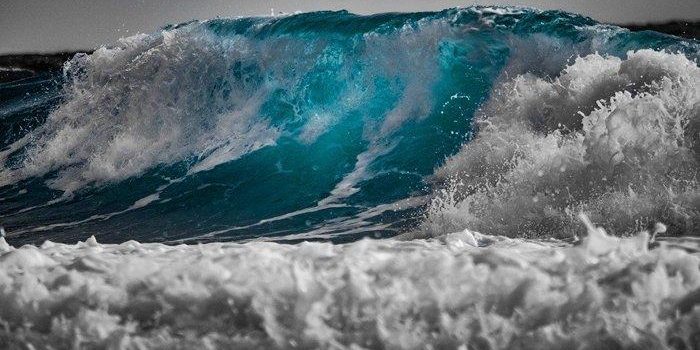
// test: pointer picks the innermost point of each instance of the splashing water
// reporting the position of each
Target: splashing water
(616, 138)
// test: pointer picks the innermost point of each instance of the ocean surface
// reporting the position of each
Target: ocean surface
(477, 178)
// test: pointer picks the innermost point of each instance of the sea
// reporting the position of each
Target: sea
(473, 178)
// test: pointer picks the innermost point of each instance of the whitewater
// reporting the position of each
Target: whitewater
(477, 178)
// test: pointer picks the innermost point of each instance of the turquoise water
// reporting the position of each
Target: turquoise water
(318, 126)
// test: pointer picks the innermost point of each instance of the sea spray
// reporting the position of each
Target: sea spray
(617, 138)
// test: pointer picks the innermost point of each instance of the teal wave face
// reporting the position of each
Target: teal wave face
(323, 125)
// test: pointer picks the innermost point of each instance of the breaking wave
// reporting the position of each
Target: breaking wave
(335, 126)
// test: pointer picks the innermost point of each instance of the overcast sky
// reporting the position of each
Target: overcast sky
(51, 25)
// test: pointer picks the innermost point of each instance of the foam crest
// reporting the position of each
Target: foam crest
(616, 138)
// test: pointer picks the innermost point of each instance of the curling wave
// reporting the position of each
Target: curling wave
(335, 126)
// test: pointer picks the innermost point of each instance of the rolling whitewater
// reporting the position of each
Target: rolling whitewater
(477, 178)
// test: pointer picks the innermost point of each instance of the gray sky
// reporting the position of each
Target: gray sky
(50, 25)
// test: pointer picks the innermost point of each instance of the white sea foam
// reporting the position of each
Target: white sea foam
(617, 138)
(464, 290)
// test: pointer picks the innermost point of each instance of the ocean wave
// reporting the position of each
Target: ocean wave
(484, 131)
(237, 129)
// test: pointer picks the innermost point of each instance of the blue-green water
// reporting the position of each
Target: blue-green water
(324, 125)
